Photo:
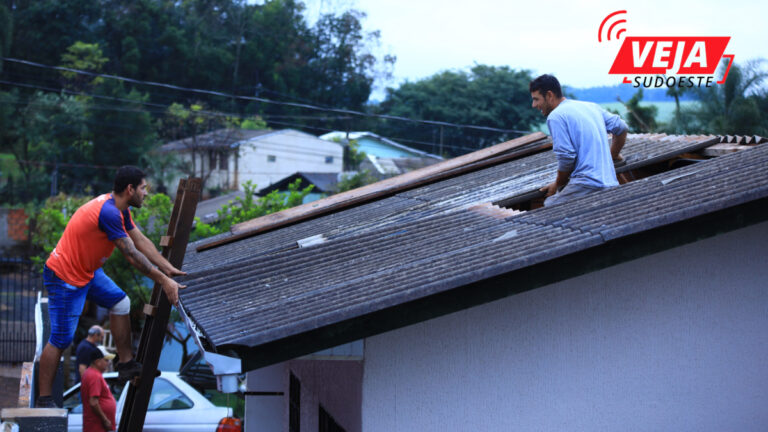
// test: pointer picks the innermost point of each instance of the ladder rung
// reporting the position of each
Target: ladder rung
(149, 310)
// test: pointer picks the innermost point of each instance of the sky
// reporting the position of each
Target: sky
(555, 36)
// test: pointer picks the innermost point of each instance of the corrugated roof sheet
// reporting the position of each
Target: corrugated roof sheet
(428, 240)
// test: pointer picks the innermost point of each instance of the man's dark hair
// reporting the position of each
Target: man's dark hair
(128, 175)
(545, 83)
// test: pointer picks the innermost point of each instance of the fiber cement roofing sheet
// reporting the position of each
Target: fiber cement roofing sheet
(271, 297)
(408, 248)
(489, 184)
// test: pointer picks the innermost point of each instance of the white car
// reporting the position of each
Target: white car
(173, 406)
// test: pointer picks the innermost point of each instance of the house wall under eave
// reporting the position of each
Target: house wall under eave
(673, 341)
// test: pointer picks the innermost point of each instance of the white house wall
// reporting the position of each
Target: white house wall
(293, 151)
(673, 341)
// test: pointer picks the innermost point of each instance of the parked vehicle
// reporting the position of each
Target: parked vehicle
(174, 406)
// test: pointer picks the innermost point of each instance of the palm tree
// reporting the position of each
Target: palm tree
(735, 106)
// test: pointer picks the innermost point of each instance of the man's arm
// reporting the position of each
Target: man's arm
(617, 145)
(560, 181)
(565, 152)
(146, 247)
(93, 401)
(618, 127)
(81, 368)
(142, 264)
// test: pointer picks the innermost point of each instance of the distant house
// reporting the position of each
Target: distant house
(227, 158)
(384, 157)
(324, 184)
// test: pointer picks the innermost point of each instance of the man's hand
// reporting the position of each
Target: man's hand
(107, 424)
(171, 290)
(550, 189)
(172, 271)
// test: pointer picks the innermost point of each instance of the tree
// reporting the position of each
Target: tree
(84, 57)
(42, 133)
(490, 96)
(355, 180)
(737, 106)
(641, 119)
(6, 31)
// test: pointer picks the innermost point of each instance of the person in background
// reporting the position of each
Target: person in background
(86, 349)
(99, 405)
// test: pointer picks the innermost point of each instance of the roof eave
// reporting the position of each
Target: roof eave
(463, 297)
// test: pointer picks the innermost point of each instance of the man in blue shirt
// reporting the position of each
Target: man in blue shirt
(585, 161)
(86, 349)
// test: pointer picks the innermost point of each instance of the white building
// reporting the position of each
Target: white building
(226, 159)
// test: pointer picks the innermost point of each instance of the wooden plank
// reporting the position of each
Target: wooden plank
(25, 383)
(149, 310)
(390, 186)
(153, 333)
(723, 149)
(166, 241)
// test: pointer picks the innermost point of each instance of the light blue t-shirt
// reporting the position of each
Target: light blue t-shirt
(580, 142)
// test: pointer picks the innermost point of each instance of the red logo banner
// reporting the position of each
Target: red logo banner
(647, 55)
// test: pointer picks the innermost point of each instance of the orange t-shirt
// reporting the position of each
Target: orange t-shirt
(88, 239)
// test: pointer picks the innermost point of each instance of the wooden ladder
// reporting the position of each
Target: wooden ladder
(159, 309)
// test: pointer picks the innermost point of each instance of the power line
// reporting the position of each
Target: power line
(263, 100)
(217, 114)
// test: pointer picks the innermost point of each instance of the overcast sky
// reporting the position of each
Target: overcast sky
(554, 36)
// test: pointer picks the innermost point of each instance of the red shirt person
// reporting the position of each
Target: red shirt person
(99, 405)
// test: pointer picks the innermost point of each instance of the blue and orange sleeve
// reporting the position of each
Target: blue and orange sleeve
(128, 220)
(111, 222)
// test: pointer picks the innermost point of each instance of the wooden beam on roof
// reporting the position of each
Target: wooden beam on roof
(452, 167)
(723, 149)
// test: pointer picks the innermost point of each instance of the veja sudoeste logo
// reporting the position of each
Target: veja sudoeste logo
(659, 61)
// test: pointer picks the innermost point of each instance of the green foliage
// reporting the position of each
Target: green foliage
(354, 181)
(85, 57)
(49, 224)
(640, 119)
(41, 130)
(737, 107)
(245, 208)
(253, 123)
(353, 157)
(485, 96)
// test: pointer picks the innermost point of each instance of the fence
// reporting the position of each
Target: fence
(19, 285)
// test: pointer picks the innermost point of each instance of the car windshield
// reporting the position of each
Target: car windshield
(165, 396)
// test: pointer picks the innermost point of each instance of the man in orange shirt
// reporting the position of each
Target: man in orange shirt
(99, 406)
(73, 274)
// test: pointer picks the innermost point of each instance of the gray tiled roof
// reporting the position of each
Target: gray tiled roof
(221, 138)
(259, 291)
